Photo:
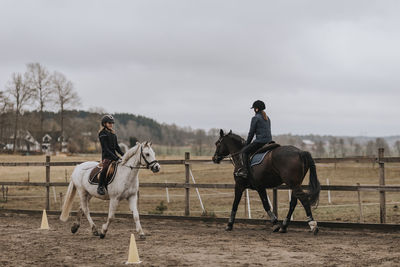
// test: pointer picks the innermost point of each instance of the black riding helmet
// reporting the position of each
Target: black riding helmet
(260, 105)
(107, 118)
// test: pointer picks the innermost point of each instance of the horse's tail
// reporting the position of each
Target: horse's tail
(68, 202)
(314, 186)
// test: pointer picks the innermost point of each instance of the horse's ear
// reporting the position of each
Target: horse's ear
(230, 132)
(150, 143)
(221, 133)
(146, 143)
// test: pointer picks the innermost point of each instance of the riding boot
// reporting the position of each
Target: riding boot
(243, 169)
(100, 189)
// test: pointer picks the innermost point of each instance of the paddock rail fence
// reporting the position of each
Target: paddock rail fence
(187, 186)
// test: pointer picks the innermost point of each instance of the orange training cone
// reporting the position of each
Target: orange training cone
(133, 257)
(45, 224)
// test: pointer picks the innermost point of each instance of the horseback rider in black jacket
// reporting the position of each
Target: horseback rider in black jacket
(260, 127)
(109, 144)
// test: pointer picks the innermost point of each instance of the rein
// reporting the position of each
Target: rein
(140, 162)
(230, 156)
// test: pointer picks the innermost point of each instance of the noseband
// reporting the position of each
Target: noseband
(140, 161)
(145, 160)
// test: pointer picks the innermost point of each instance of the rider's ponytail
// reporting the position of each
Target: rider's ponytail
(264, 115)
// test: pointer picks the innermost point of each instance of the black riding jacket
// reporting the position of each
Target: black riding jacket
(109, 145)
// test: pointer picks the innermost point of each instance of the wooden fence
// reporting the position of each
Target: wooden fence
(381, 188)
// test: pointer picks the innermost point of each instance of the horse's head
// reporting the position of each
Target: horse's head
(226, 145)
(149, 157)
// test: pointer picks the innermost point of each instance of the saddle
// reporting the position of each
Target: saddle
(260, 154)
(267, 147)
(94, 177)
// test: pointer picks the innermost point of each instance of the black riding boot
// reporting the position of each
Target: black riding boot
(243, 170)
(100, 189)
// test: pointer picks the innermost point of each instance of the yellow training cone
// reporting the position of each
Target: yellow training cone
(45, 224)
(133, 257)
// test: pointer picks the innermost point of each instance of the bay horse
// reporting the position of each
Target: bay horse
(284, 164)
(124, 186)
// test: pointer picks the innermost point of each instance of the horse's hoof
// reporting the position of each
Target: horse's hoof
(74, 228)
(228, 228)
(102, 236)
(276, 228)
(283, 230)
(315, 231)
(142, 237)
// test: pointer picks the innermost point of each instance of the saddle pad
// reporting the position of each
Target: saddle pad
(258, 158)
(94, 176)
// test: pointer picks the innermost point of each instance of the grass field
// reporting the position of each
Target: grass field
(344, 206)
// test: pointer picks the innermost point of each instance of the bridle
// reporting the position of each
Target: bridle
(230, 155)
(148, 164)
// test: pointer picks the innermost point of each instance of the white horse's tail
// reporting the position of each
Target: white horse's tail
(68, 202)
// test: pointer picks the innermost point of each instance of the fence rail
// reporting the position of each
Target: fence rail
(381, 188)
(370, 188)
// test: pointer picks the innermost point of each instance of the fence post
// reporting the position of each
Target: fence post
(47, 182)
(245, 203)
(275, 201)
(187, 179)
(360, 204)
(382, 197)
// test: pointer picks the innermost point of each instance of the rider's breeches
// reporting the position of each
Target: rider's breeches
(105, 163)
(248, 150)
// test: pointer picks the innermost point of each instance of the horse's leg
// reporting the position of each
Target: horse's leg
(263, 195)
(133, 206)
(285, 223)
(111, 211)
(85, 209)
(238, 195)
(303, 197)
(77, 223)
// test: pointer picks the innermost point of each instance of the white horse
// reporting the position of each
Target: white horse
(124, 186)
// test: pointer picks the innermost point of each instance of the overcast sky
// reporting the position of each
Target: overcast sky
(322, 67)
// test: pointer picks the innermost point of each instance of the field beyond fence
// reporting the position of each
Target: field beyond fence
(357, 189)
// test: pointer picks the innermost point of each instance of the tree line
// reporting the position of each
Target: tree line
(39, 89)
(42, 103)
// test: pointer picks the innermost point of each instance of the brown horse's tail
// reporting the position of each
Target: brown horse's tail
(314, 186)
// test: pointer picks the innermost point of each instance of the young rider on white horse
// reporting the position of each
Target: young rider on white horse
(109, 144)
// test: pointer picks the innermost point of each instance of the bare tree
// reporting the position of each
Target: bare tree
(39, 80)
(21, 95)
(320, 150)
(342, 147)
(397, 147)
(333, 142)
(65, 97)
(5, 106)
(370, 149)
(357, 149)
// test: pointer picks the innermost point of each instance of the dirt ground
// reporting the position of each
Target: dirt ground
(188, 243)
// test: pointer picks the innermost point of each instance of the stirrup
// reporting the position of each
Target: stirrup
(101, 190)
(241, 173)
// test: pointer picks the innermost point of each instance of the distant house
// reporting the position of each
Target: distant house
(49, 141)
(25, 142)
(46, 143)
(308, 144)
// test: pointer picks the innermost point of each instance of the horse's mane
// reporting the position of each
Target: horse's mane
(236, 138)
(132, 151)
